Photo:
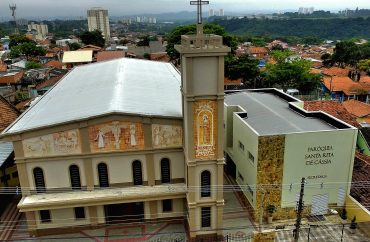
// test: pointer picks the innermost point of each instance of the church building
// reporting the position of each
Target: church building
(126, 141)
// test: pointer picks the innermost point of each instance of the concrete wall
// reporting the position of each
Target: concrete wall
(177, 164)
(331, 165)
(177, 209)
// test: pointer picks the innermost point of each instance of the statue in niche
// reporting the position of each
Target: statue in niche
(116, 130)
(156, 136)
(133, 135)
(205, 126)
(100, 138)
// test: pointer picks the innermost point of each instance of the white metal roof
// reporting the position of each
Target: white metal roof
(6, 148)
(78, 56)
(118, 86)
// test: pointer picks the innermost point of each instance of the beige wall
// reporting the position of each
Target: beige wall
(101, 214)
(205, 71)
(56, 173)
(177, 209)
(119, 168)
(177, 164)
(243, 133)
(335, 174)
(198, 220)
(62, 218)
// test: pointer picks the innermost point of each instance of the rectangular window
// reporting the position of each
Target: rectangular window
(240, 176)
(80, 213)
(15, 174)
(45, 216)
(206, 217)
(167, 205)
(251, 157)
(250, 190)
(241, 145)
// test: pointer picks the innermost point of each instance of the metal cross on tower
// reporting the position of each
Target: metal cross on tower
(199, 3)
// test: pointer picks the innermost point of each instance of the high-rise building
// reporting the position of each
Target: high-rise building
(222, 13)
(211, 12)
(98, 19)
(41, 30)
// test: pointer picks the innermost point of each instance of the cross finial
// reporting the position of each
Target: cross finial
(199, 4)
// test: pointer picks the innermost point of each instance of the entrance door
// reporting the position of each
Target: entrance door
(320, 204)
(124, 212)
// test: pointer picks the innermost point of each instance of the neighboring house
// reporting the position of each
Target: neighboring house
(44, 86)
(11, 78)
(76, 58)
(258, 52)
(109, 55)
(54, 64)
(360, 110)
(232, 84)
(271, 139)
(160, 56)
(343, 88)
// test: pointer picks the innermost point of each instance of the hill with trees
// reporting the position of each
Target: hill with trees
(324, 28)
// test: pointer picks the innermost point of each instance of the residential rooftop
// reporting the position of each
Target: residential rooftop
(271, 112)
(121, 86)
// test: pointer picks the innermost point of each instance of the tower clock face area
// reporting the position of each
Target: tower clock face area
(205, 127)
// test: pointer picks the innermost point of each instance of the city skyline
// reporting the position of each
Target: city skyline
(49, 8)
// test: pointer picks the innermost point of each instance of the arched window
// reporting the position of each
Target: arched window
(165, 171)
(74, 174)
(205, 184)
(137, 173)
(38, 175)
(103, 175)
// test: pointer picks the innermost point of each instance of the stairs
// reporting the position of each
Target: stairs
(9, 220)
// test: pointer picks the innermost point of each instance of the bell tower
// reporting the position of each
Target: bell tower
(202, 75)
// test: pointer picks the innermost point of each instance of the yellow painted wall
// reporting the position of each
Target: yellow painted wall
(354, 208)
(177, 209)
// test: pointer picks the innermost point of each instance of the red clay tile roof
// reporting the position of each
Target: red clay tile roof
(315, 71)
(160, 56)
(361, 174)
(8, 113)
(11, 78)
(91, 47)
(346, 85)
(109, 55)
(257, 50)
(335, 71)
(357, 108)
(3, 66)
(227, 81)
(48, 83)
(333, 108)
(54, 63)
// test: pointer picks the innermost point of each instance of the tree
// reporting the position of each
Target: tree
(244, 67)
(293, 74)
(346, 53)
(281, 55)
(92, 38)
(32, 65)
(28, 49)
(174, 38)
(326, 59)
(144, 41)
(364, 65)
(74, 46)
(18, 39)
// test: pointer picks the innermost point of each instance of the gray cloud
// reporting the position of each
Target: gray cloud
(128, 7)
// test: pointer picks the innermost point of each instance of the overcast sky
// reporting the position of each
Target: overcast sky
(127, 7)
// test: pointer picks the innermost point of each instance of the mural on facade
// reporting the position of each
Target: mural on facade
(165, 136)
(205, 128)
(67, 142)
(116, 135)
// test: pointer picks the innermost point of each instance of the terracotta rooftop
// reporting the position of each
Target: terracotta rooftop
(360, 175)
(91, 47)
(257, 50)
(48, 83)
(8, 113)
(333, 108)
(54, 63)
(315, 71)
(357, 108)
(227, 81)
(346, 85)
(160, 56)
(11, 78)
(335, 71)
(109, 55)
(3, 66)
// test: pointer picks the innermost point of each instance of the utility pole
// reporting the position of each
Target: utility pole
(299, 212)
(262, 207)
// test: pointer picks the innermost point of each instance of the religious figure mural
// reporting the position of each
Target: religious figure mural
(116, 135)
(205, 125)
(166, 136)
(67, 142)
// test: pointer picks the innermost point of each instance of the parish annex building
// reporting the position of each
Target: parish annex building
(135, 140)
